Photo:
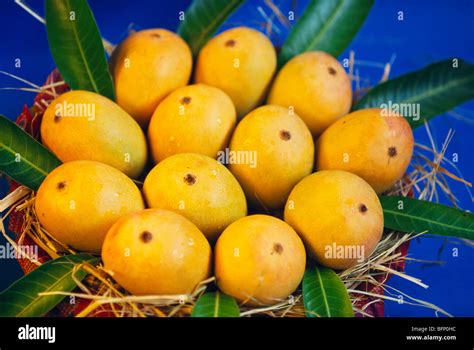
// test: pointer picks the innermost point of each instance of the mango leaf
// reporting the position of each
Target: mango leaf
(436, 89)
(327, 25)
(216, 304)
(324, 294)
(203, 18)
(21, 299)
(415, 215)
(76, 46)
(22, 158)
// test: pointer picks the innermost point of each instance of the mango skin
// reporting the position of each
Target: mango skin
(240, 61)
(317, 87)
(79, 201)
(375, 147)
(259, 260)
(192, 119)
(156, 252)
(146, 67)
(199, 188)
(111, 136)
(335, 207)
(284, 152)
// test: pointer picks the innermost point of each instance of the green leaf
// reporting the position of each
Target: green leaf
(76, 46)
(327, 25)
(324, 294)
(22, 158)
(436, 88)
(21, 299)
(203, 18)
(415, 215)
(216, 304)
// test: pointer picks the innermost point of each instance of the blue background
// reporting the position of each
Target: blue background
(430, 31)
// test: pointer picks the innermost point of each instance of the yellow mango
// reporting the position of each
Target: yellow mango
(259, 260)
(240, 61)
(156, 252)
(272, 150)
(316, 86)
(338, 216)
(146, 67)
(79, 201)
(192, 119)
(82, 125)
(199, 188)
(376, 147)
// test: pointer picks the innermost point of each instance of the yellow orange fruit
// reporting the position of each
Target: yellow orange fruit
(375, 147)
(156, 252)
(82, 125)
(146, 67)
(79, 201)
(195, 118)
(316, 86)
(199, 188)
(338, 216)
(240, 61)
(259, 260)
(272, 150)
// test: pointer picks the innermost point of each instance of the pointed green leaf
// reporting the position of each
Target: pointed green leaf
(415, 215)
(76, 46)
(21, 299)
(203, 18)
(324, 294)
(216, 304)
(436, 89)
(22, 158)
(326, 25)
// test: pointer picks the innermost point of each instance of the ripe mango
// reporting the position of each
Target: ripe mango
(316, 86)
(146, 67)
(378, 148)
(195, 119)
(240, 61)
(338, 216)
(79, 201)
(156, 252)
(82, 125)
(199, 188)
(259, 260)
(283, 150)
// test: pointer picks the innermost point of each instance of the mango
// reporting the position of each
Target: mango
(370, 144)
(282, 151)
(192, 119)
(240, 61)
(259, 260)
(146, 67)
(199, 188)
(82, 125)
(316, 86)
(79, 201)
(338, 216)
(156, 252)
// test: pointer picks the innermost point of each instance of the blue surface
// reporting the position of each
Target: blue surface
(430, 31)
